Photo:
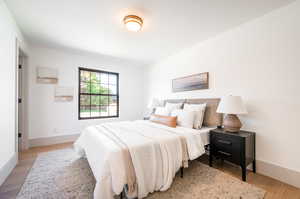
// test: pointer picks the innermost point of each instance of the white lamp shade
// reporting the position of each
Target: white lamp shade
(232, 105)
(154, 103)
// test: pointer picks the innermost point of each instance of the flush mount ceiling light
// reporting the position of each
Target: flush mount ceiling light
(133, 23)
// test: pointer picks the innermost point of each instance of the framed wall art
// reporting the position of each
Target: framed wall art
(192, 82)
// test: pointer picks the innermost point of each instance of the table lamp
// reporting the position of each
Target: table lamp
(151, 107)
(232, 106)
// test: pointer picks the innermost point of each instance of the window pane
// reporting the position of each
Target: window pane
(95, 88)
(104, 78)
(104, 100)
(112, 79)
(85, 111)
(104, 89)
(113, 89)
(95, 111)
(85, 100)
(95, 100)
(113, 100)
(104, 111)
(85, 87)
(112, 110)
(85, 76)
(95, 77)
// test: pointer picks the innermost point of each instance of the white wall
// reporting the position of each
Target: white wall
(48, 118)
(259, 61)
(8, 52)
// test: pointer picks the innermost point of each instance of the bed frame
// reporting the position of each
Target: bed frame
(211, 117)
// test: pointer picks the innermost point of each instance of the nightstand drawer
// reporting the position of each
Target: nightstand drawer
(227, 138)
(227, 147)
(232, 156)
(225, 142)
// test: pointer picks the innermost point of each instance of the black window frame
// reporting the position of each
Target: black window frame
(91, 94)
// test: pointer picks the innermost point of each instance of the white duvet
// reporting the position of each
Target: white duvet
(156, 153)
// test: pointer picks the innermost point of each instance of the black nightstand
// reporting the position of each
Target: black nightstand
(237, 148)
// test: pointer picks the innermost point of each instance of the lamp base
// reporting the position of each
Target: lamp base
(232, 123)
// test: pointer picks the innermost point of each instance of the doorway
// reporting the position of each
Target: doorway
(22, 136)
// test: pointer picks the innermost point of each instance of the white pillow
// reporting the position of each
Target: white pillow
(184, 118)
(199, 113)
(162, 111)
(173, 106)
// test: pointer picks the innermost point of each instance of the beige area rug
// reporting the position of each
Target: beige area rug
(62, 175)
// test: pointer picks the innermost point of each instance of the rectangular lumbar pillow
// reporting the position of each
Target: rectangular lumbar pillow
(199, 113)
(184, 118)
(165, 120)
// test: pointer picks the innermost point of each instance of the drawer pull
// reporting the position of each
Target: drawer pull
(224, 142)
(224, 153)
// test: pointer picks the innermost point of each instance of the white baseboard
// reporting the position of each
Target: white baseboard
(282, 174)
(52, 140)
(8, 167)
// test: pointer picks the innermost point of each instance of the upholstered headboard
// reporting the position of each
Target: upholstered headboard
(211, 117)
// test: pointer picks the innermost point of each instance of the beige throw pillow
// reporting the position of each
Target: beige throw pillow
(184, 118)
(199, 113)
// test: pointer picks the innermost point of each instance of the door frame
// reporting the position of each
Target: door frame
(24, 140)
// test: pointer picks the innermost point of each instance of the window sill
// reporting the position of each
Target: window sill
(92, 118)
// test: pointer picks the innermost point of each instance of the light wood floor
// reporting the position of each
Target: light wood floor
(275, 189)
(14, 182)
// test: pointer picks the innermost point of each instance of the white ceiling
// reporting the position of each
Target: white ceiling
(96, 25)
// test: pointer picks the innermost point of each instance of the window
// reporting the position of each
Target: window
(98, 94)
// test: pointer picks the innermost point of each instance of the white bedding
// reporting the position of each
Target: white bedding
(203, 133)
(155, 150)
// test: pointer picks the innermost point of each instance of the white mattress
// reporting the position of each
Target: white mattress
(203, 133)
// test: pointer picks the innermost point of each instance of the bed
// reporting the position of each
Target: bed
(141, 156)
